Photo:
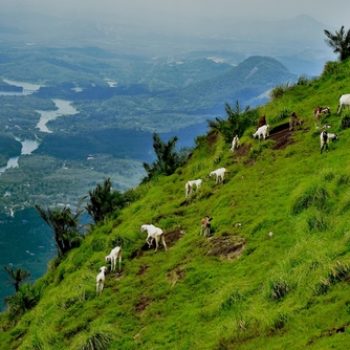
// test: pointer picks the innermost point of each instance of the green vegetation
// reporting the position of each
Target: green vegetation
(235, 123)
(17, 276)
(103, 201)
(340, 42)
(64, 224)
(168, 159)
(275, 275)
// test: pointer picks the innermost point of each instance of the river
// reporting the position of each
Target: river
(64, 108)
(28, 88)
(28, 147)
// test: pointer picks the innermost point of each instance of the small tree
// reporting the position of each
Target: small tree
(236, 122)
(25, 299)
(340, 42)
(64, 225)
(17, 276)
(168, 160)
(103, 201)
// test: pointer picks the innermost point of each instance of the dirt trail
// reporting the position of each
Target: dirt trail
(281, 135)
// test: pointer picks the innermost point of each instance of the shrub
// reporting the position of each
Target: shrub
(103, 201)
(168, 159)
(285, 113)
(314, 196)
(328, 175)
(280, 322)
(338, 273)
(343, 180)
(25, 299)
(279, 91)
(330, 69)
(236, 123)
(317, 223)
(279, 289)
(234, 299)
(303, 81)
(345, 122)
(97, 341)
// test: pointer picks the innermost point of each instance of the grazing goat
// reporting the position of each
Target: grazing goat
(154, 233)
(114, 255)
(343, 101)
(319, 111)
(262, 131)
(325, 137)
(190, 186)
(100, 280)
(294, 121)
(262, 121)
(219, 173)
(235, 143)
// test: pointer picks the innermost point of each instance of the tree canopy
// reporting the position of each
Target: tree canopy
(340, 42)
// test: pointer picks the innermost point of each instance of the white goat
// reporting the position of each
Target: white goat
(262, 131)
(100, 280)
(332, 137)
(190, 186)
(325, 138)
(219, 173)
(343, 101)
(235, 143)
(154, 233)
(114, 255)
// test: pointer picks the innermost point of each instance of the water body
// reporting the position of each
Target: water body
(28, 147)
(25, 242)
(64, 108)
(28, 88)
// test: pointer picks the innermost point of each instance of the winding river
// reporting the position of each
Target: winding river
(28, 147)
(64, 108)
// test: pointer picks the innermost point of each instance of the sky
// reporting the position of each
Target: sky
(334, 12)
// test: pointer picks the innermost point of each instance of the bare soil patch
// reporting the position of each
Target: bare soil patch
(227, 246)
(282, 136)
(142, 303)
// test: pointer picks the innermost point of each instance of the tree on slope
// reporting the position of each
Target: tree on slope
(103, 201)
(168, 160)
(17, 276)
(236, 122)
(340, 42)
(64, 224)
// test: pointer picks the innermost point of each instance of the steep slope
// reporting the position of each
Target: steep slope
(274, 276)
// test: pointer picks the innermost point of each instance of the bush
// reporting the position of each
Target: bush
(234, 299)
(236, 123)
(317, 223)
(330, 69)
(314, 196)
(280, 322)
(303, 81)
(97, 341)
(25, 299)
(279, 289)
(338, 273)
(345, 122)
(285, 113)
(279, 91)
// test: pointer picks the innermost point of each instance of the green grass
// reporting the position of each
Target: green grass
(285, 291)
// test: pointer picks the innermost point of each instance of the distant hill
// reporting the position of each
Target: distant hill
(245, 82)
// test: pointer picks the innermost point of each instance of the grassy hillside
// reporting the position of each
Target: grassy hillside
(245, 288)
